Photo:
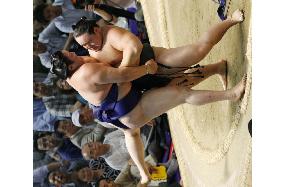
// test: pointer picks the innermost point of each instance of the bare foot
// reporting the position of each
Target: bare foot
(239, 89)
(237, 16)
(223, 72)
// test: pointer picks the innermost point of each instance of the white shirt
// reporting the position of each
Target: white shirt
(118, 154)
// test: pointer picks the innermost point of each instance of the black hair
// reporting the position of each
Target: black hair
(38, 13)
(57, 134)
(60, 65)
(36, 136)
(83, 26)
(51, 172)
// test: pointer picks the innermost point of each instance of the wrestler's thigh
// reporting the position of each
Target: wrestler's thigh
(188, 81)
(153, 103)
(184, 56)
(135, 118)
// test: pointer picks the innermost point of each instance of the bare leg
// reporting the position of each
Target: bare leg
(192, 80)
(201, 97)
(135, 148)
(189, 55)
(157, 101)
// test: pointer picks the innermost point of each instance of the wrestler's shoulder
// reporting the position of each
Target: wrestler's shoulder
(88, 69)
(111, 29)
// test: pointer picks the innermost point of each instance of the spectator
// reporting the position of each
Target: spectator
(60, 178)
(79, 136)
(63, 147)
(84, 117)
(113, 150)
(40, 158)
(62, 15)
(40, 173)
(42, 119)
(57, 104)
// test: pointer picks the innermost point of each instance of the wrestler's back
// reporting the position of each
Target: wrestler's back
(94, 93)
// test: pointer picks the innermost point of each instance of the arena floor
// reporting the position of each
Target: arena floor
(212, 142)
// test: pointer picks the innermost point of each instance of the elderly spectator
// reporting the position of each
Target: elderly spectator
(113, 150)
(56, 146)
(79, 136)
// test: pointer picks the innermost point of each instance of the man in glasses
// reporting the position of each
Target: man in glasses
(63, 147)
(79, 136)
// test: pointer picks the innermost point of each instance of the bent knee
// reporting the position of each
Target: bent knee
(203, 48)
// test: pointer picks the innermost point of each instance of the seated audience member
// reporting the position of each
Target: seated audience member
(79, 136)
(89, 175)
(84, 117)
(40, 158)
(113, 150)
(40, 173)
(42, 119)
(61, 14)
(60, 178)
(62, 147)
(56, 103)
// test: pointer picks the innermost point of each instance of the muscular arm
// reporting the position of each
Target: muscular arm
(128, 43)
(100, 74)
(136, 150)
(106, 16)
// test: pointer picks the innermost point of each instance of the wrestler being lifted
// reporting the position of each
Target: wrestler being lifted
(113, 98)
